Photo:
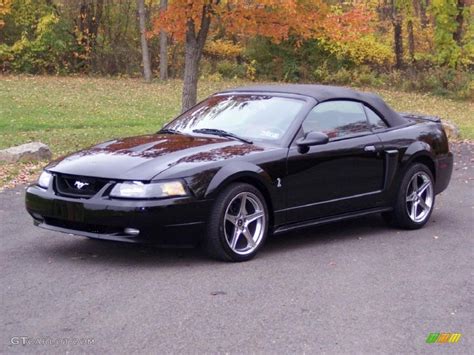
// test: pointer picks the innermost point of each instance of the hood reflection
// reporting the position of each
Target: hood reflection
(220, 153)
(143, 157)
(150, 146)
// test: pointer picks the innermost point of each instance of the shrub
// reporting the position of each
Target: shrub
(215, 77)
(44, 52)
(230, 69)
(221, 48)
(341, 77)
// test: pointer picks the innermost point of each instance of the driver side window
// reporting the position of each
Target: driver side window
(337, 119)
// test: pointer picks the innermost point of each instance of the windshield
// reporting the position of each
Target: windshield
(255, 117)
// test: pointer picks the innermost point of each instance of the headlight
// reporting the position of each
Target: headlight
(136, 189)
(44, 179)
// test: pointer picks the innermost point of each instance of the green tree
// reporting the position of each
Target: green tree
(451, 17)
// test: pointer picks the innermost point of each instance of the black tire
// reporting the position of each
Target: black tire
(400, 216)
(216, 243)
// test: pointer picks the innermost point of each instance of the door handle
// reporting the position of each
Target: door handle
(369, 148)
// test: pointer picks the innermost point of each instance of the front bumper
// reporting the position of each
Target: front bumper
(173, 221)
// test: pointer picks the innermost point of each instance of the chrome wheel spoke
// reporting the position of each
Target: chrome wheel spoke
(249, 237)
(253, 217)
(411, 197)
(414, 183)
(231, 218)
(243, 203)
(423, 187)
(424, 205)
(235, 238)
(413, 210)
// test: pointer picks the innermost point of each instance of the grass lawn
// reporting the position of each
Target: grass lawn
(69, 113)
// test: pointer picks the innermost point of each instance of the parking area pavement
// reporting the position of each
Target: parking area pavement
(352, 287)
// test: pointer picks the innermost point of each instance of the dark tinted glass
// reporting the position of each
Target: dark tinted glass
(337, 119)
(250, 116)
(375, 122)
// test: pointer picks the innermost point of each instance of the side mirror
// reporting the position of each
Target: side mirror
(312, 138)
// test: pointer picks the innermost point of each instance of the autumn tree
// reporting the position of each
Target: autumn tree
(450, 17)
(5, 6)
(393, 9)
(88, 22)
(461, 13)
(191, 22)
(143, 40)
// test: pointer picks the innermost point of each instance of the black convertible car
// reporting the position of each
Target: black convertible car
(248, 162)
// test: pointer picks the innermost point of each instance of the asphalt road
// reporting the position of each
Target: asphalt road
(355, 287)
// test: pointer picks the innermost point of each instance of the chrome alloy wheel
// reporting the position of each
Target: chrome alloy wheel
(419, 197)
(244, 223)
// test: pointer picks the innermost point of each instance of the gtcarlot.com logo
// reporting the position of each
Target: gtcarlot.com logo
(24, 340)
(443, 338)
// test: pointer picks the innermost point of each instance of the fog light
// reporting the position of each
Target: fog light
(37, 216)
(132, 231)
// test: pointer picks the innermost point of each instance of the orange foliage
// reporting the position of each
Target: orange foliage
(274, 19)
(349, 25)
(5, 6)
(223, 48)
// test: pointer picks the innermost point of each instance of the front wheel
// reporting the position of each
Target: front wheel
(415, 199)
(238, 224)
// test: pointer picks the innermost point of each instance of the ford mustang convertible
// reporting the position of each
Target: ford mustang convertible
(246, 163)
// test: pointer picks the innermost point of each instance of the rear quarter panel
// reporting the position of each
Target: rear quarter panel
(422, 139)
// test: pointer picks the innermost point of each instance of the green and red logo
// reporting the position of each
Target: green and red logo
(443, 338)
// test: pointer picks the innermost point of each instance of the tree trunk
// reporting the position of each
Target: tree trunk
(193, 48)
(397, 35)
(460, 22)
(398, 44)
(163, 47)
(411, 41)
(423, 6)
(191, 71)
(90, 15)
(145, 52)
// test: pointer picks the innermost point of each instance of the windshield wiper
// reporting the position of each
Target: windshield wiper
(168, 131)
(221, 133)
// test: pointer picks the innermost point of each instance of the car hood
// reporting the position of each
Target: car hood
(144, 157)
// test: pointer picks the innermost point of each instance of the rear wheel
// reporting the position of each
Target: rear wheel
(415, 199)
(238, 224)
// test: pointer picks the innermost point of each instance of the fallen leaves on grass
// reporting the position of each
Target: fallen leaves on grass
(12, 175)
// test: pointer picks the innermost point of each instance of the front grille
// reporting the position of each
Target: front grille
(78, 186)
(84, 227)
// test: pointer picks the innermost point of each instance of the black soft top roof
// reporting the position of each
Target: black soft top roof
(326, 93)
